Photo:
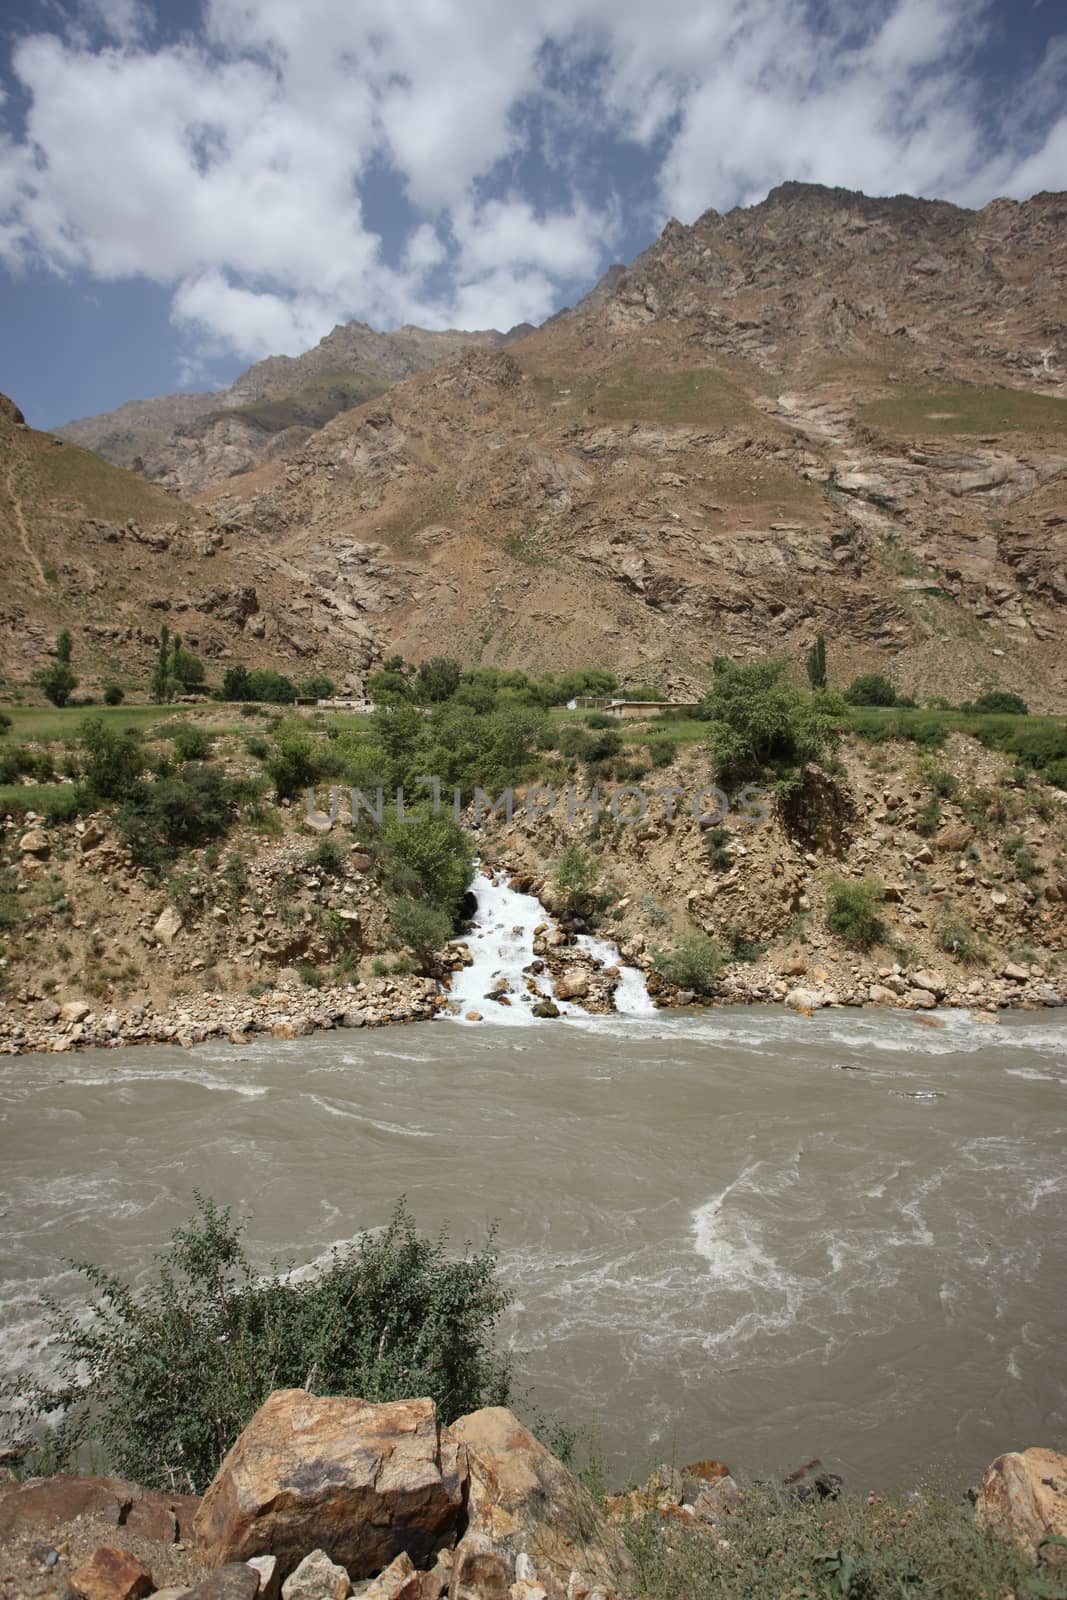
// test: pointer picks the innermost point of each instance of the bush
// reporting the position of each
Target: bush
(294, 764)
(114, 695)
(575, 877)
(317, 687)
(694, 961)
(438, 678)
(191, 743)
(57, 681)
(759, 721)
(420, 926)
(852, 912)
(1000, 700)
(923, 1544)
(178, 812)
(929, 818)
(5, 722)
(871, 689)
(165, 1379)
(310, 975)
(959, 940)
(328, 857)
(240, 684)
(433, 855)
(716, 843)
(112, 760)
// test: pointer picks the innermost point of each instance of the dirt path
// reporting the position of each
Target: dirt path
(20, 523)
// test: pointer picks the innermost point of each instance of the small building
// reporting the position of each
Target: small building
(623, 709)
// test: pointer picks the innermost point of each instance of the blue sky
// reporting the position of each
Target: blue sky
(187, 187)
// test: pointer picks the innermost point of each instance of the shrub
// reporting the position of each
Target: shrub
(419, 925)
(163, 1380)
(5, 722)
(1025, 867)
(759, 720)
(694, 961)
(261, 684)
(294, 764)
(852, 912)
(599, 719)
(959, 940)
(114, 695)
(57, 681)
(434, 855)
(310, 975)
(871, 689)
(929, 818)
(662, 752)
(257, 746)
(438, 678)
(191, 743)
(716, 843)
(1000, 700)
(924, 1543)
(816, 663)
(944, 783)
(112, 760)
(328, 857)
(575, 877)
(179, 812)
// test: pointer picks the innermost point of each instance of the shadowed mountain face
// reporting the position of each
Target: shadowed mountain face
(824, 412)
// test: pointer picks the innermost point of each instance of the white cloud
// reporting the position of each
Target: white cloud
(229, 167)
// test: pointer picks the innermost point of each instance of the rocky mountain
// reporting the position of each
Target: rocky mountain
(821, 413)
(188, 441)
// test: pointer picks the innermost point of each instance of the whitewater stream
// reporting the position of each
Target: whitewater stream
(737, 1233)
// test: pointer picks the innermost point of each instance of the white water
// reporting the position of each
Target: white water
(501, 942)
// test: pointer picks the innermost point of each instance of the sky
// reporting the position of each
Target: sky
(187, 187)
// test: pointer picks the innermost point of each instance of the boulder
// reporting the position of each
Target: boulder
(362, 1482)
(317, 1578)
(111, 1575)
(45, 1502)
(1014, 972)
(353, 1019)
(572, 986)
(955, 836)
(1024, 1498)
(928, 978)
(167, 927)
(545, 1008)
(795, 967)
(266, 1571)
(35, 843)
(521, 1499)
(399, 1581)
(920, 1000)
(235, 1581)
(480, 1572)
(74, 1011)
(804, 1000)
(879, 995)
(92, 838)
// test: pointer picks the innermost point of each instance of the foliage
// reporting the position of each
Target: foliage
(433, 856)
(57, 681)
(420, 926)
(160, 685)
(64, 646)
(114, 695)
(694, 961)
(956, 938)
(1001, 701)
(260, 684)
(924, 1546)
(871, 689)
(575, 877)
(438, 678)
(186, 669)
(328, 857)
(852, 911)
(929, 818)
(317, 686)
(164, 1380)
(294, 764)
(816, 663)
(112, 760)
(716, 843)
(178, 812)
(759, 721)
(191, 743)
(5, 722)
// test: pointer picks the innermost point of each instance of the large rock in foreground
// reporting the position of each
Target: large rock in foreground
(1024, 1498)
(522, 1502)
(362, 1482)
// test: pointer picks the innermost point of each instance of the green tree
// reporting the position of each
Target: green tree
(438, 678)
(1001, 701)
(432, 855)
(186, 669)
(871, 689)
(161, 687)
(114, 695)
(64, 646)
(57, 681)
(760, 723)
(317, 687)
(816, 663)
(419, 926)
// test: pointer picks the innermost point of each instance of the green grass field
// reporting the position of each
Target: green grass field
(967, 409)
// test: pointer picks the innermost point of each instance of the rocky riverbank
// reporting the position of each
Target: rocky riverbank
(327, 1498)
